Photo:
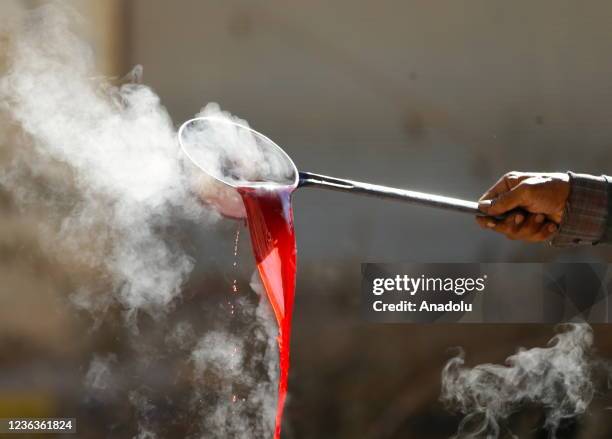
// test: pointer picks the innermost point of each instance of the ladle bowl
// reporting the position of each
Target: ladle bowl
(201, 140)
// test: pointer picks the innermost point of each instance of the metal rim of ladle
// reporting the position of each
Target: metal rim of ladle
(267, 140)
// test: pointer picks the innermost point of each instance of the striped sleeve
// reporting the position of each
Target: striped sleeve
(587, 212)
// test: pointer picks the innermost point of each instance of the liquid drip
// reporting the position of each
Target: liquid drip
(270, 222)
(235, 290)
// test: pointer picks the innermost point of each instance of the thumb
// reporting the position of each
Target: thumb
(504, 202)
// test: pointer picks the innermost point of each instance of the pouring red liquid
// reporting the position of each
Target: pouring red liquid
(217, 144)
(270, 222)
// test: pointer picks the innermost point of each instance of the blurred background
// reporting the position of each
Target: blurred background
(442, 97)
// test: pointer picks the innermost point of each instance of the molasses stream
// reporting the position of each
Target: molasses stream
(246, 175)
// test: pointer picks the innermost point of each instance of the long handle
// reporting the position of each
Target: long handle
(356, 187)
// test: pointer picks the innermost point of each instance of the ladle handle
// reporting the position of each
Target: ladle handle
(356, 187)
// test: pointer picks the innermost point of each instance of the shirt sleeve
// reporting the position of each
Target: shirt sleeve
(586, 217)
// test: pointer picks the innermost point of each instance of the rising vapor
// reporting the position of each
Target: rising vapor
(117, 147)
(96, 166)
(558, 379)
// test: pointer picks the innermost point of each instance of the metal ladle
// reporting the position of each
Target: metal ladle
(202, 139)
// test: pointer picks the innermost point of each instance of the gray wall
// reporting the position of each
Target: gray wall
(438, 96)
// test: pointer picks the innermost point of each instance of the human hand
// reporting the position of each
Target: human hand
(538, 198)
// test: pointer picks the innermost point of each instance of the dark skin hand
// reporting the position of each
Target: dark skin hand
(540, 199)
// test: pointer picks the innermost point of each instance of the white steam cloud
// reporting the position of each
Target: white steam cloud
(105, 161)
(99, 373)
(558, 378)
(225, 147)
(119, 149)
(232, 367)
(97, 168)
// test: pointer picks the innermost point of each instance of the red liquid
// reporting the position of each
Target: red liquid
(270, 221)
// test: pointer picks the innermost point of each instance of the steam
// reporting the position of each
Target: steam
(232, 367)
(225, 147)
(217, 352)
(114, 178)
(99, 374)
(114, 144)
(558, 378)
(96, 167)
